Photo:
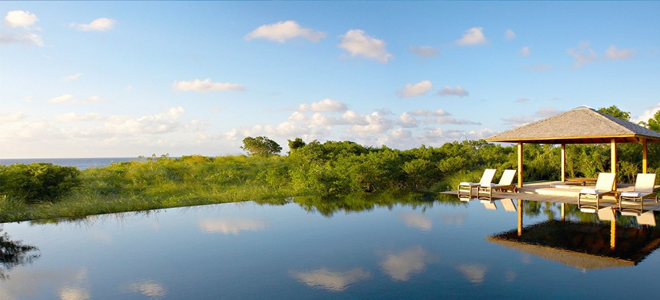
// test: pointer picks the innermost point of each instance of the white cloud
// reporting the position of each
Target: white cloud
(206, 86)
(73, 117)
(427, 113)
(23, 22)
(613, 53)
(401, 266)
(417, 89)
(545, 112)
(648, 114)
(406, 120)
(376, 123)
(128, 88)
(21, 37)
(72, 77)
(509, 34)
(66, 98)
(473, 36)
(521, 100)
(457, 91)
(424, 51)
(156, 124)
(325, 105)
(11, 117)
(284, 30)
(357, 43)
(582, 54)
(92, 99)
(19, 18)
(100, 24)
(526, 51)
(333, 281)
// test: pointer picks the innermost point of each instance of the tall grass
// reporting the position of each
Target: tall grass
(159, 183)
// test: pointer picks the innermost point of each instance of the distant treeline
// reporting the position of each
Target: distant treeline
(314, 169)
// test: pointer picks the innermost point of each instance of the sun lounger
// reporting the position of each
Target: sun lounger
(590, 198)
(644, 184)
(506, 184)
(466, 187)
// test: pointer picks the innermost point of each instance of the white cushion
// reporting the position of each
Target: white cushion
(488, 185)
(631, 194)
(589, 191)
(468, 183)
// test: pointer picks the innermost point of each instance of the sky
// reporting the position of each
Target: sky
(128, 79)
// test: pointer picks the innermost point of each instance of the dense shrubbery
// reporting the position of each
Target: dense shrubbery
(37, 182)
(318, 171)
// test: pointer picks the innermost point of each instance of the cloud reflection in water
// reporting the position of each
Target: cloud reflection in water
(331, 280)
(402, 265)
(148, 288)
(473, 273)
(416, 220)
(230, 226)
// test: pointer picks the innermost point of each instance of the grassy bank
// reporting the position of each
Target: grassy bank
(155, 183)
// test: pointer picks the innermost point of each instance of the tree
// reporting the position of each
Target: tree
(295, 144)
(260, 146)
(654, 123)
(614, 111)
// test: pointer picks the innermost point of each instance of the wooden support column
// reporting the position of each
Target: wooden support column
(563, 212)
(613, 162)
(613, 234)
(520, 164)
(645, 153)
(563, 162)
(520, 217)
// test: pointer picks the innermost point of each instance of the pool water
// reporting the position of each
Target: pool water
(432, 250)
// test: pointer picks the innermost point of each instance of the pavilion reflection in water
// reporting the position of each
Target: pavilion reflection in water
(584, 245)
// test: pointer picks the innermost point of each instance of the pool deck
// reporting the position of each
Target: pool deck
(561, 192)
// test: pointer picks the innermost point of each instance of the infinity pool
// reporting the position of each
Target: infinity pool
(436, 249)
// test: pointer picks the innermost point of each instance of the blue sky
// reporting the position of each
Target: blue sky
(109, 79)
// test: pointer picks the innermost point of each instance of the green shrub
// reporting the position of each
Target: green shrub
(38, 181)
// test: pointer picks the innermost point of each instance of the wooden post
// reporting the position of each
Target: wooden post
(613, 162)
(520, 164)
(520, 217)
(613, 234)
(645, 153)
(563, 212)
(563, 162)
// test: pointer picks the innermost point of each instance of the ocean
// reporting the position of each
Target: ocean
(80, 163)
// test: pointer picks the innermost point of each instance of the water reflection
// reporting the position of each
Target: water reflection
(13, 253)
(416, 220)
(402, 265)
(69, 293)
(230, 226)
(148, 288)
(473, 273)
(586, 245)
(333, 281)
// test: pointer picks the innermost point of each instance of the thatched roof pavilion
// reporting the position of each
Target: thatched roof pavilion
(581, 125)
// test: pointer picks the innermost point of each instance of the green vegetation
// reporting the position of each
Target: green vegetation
(317, 174)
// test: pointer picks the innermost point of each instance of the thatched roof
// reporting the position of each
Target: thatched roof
(581, 125)
(582, 245)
